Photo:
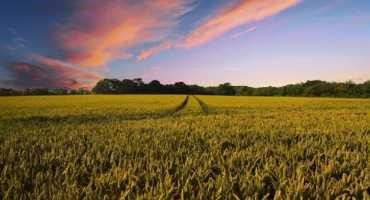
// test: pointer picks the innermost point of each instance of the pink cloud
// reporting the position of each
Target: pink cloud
(155, 50)
(245, 12)
(228, 18)
(99, 32)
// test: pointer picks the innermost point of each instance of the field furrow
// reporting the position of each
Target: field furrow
(203, 105)
(192, 108)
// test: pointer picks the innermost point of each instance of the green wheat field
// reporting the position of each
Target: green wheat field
(183, 147)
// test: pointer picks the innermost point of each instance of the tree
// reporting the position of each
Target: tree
(105, 86)
(155, 87)
(138, 81)
(181, 88)
(366, 89)
(226, 89)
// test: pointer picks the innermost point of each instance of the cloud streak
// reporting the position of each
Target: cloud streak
(98, 33)
(239, 34)
(155, 50)
(226, 19)
(233, 16)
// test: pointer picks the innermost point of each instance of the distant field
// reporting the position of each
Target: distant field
(183, 147)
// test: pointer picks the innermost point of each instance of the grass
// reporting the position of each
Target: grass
(178, 147)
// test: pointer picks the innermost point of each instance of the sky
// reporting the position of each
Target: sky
(73, 44)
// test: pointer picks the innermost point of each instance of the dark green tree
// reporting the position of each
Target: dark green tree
(226, 89)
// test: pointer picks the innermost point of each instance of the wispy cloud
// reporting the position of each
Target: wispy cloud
(17, 41)
(330, 5)
(13, 31)
(241, 33)
(245, 12)
(101, 32)
(228, 17)
(155, 50)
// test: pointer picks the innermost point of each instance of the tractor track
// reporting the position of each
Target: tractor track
(85, 118)
(204, 106)
(180, 107)
(42, 120)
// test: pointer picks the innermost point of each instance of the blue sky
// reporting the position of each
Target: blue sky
(245, 42)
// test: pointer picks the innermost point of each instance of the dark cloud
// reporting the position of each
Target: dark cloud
(45, 72)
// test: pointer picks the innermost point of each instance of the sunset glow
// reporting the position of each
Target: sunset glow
(245, 42)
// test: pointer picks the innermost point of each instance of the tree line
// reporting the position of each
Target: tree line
(138, 86)
(314, 88)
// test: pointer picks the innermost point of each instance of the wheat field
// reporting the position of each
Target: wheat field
(183, 147)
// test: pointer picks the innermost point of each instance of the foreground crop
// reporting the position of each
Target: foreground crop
(202, 148)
